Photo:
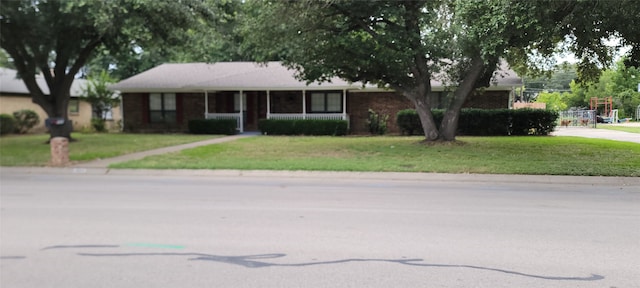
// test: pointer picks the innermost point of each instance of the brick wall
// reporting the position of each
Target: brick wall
(389, 103)
(383, 103)
(136, 119)
(192, 107)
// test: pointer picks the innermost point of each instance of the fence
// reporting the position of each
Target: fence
(578, 118)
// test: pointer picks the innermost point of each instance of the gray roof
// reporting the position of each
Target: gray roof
(234, 76)
(11, 84)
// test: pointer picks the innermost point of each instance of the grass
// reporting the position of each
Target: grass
(631, 129)
(31, 150)
(492, 155)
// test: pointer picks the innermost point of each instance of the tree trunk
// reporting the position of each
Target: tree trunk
(431, 132)
(420, 98)
(57, 111)
(449, 125)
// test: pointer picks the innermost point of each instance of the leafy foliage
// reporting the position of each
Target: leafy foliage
(377, 123)
(303, 127)
(57, 38)
(492, 122)
(7, 124)
(403, 44)
(25, 119)
(213, 126)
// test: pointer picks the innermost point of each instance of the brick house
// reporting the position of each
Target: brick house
(165, 98)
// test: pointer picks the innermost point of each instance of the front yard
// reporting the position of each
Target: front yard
(31, 150)
(493, 155)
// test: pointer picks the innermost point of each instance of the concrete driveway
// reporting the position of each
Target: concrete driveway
(599, 133)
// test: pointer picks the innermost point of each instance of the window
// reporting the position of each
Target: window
(74, 106)
(326, 102)
(108, 113)
(162, 107)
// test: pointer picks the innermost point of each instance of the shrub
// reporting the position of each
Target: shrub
(303, 127)
(377, 123)
(25, 119)
(7, 124)
(483, 122)
(213, 126)
(98, 125)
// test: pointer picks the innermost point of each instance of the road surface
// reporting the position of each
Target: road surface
(176, 230)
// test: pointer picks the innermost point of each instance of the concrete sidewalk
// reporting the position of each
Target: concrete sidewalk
(104, 163)
(597, 133)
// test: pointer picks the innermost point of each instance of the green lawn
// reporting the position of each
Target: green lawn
(493, 155)
(31, 150)
(634, 129)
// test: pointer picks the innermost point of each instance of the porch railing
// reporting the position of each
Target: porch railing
(314, 116)
(282, 116)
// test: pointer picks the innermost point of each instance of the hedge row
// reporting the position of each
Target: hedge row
(213, 126)
(7, 124)
(482, 122)
(303, 127)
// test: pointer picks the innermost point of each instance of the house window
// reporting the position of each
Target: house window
(330, 102)
(162, 107)
(74, 106)
(108, 113)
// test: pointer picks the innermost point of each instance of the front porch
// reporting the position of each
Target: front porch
(283, 105)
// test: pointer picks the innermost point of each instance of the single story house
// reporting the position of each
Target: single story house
(15, 96)
(166, 97)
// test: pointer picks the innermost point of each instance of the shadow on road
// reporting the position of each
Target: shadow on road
(260, 261)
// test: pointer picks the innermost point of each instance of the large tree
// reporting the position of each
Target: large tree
(402, 45)
(56, 39)
(199, 45)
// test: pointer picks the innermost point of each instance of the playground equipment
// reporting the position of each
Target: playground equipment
(606, 101)
(610, 115)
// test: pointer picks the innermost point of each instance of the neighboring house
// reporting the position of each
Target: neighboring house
(166, 97)
(14, 96)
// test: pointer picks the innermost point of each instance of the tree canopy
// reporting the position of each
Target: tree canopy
(401, 45)
(57, 38)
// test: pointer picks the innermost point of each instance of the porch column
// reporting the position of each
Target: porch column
(206, 104)
(304, 104)
(344, 104)
(241, 113)
(268, 105)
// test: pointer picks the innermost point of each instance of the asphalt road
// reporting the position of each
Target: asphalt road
(175, 230)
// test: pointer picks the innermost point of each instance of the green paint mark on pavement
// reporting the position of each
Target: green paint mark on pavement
(155, 245)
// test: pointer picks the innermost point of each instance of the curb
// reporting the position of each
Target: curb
(385, 176)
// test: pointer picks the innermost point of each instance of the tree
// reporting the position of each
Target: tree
(199, 45)
(555, 101)
(57, 38)
(101, 98)
(401, 45)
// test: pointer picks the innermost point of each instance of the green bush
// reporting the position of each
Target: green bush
(25, 119)
(487, 122)
(303, 127)
(213, 126)
(98, 125)
(377, 123)
(7, 124)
